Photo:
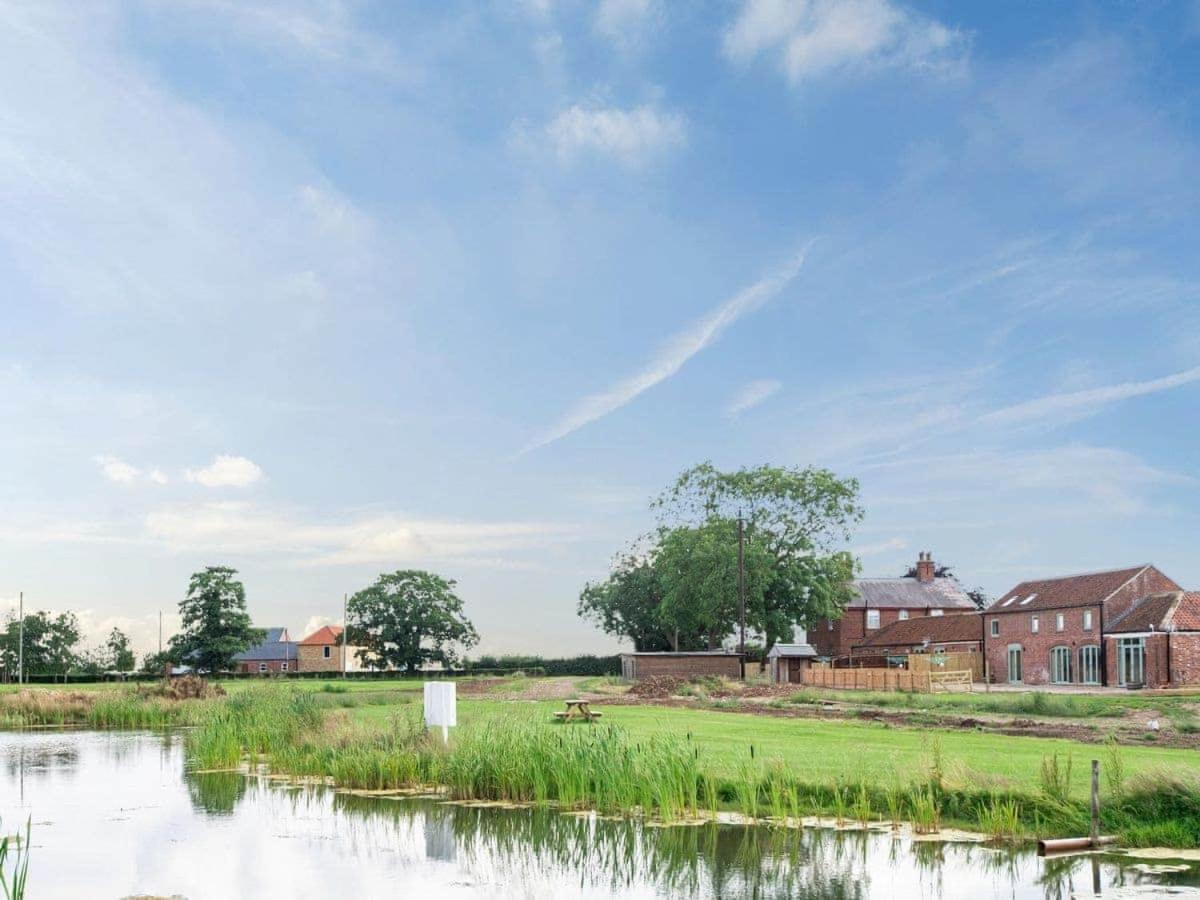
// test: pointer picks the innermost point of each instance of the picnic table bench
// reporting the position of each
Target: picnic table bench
(578, 709)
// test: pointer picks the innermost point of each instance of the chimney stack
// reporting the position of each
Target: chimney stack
(925, 567)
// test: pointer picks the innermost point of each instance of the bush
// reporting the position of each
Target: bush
(571, 665)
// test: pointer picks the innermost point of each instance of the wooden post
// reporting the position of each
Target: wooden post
(987, 676)
(1095, 802)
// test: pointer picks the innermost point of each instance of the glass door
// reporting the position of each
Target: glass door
(1131, 656)
(1060, 665)
(1089, 665)
(1014, 663)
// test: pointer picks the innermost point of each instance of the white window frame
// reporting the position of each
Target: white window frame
(1130, 651)
(937, 612)
(283, 666)
(872, 617)
(902, 616)
(995, 628)
(1087, 620)
(262, 667)
(1035, 624)
(1060, 622)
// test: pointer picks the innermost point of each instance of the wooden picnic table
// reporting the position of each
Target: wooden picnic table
(578, 709)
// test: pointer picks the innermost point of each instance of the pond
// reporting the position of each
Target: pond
(114, 815)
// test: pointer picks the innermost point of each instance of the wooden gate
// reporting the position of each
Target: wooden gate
(950, 682)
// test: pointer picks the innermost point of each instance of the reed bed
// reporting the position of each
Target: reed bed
(92, 709)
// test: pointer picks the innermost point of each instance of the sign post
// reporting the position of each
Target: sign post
(441, 707)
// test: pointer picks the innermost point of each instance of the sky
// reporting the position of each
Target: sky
(322, 289)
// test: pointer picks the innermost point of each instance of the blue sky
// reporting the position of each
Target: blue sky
(321, 289)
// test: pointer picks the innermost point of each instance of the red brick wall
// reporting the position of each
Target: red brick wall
(851, 629)
(1185, 659)
(1015, 629)
(273, 665)
(686, 666)
(1156, 660)
(1150, 581)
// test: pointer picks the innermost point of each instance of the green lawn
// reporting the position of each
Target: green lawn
(825, 750)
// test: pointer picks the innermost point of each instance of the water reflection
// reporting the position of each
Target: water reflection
(118, 817)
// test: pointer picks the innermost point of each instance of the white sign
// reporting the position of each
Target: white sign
(441, 706)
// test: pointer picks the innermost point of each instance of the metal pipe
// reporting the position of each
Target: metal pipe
(1061, 845)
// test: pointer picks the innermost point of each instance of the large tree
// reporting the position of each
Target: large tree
(50, 643)
(409, 618)
(216, 625)
(628, 604)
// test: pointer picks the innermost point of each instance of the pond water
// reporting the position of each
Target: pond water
(114, 815)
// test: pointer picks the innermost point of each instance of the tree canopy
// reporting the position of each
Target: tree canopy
(50, 642)
(216, 625)
(683, 590)
(409, 618)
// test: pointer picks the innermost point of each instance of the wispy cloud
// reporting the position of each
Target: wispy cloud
(226, 471)
(674, 354)
(633, 137)
(623, 21)
(1076, 404)
(815, 37)
(751, 395)
(891, 544)
(121, 472)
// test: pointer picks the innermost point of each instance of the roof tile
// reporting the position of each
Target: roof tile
(934, 629)
(1055, 593)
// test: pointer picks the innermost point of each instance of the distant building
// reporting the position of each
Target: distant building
(686, 664)
(879, 602)
(786, 663)
(322, 651)
(277, 653)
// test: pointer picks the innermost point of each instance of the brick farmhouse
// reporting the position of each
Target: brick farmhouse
(1052, 631)
(1156, 643)
(878, 602)
(322, 651)
(954, 633)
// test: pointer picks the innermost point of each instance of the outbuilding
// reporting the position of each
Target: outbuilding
(787, 663)
(685, 664)
(1156, 643)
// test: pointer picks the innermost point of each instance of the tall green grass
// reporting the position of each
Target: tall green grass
(13, 881)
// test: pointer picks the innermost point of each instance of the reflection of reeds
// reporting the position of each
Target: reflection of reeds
(17, 846)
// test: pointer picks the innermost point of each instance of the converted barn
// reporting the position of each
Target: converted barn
(959, 633)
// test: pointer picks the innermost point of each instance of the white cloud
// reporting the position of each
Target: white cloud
(158, 476)
(623, 20)
(896, 543)
(226, 471)
(245, 528)
(674, 354)
(118, 470)
(633, 137)
(751, 395)
(814, 37)
(1077, 404)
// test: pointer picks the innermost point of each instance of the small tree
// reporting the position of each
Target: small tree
(409, 618)
(120, 655)
(216, 625)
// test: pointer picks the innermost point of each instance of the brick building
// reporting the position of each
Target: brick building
(1155, 643)
(322, 651)
(954, 633)
(1050, 631)
(683, 664)
(276, 654)
(878, 602)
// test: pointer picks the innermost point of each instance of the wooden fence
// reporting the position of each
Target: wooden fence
(950, 682)
(924, 663)
(866, 679)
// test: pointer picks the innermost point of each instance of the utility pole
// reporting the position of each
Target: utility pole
(160, 634)
(21, 639)
(344, 624)
(742, 590)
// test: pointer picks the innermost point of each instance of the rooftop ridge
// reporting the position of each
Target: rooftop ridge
(1137, 568)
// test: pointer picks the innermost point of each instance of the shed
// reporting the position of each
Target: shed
(684, 664)
(788, 662)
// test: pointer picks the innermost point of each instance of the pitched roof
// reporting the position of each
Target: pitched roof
(801, 650)
(1070, 590)
(274, 647)
(917, 632)
(1167, 611)
(329, 634)
(909, 593)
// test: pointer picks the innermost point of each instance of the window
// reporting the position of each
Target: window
(1089, 665)
(936, 612)
(902, 615)
(1009, 601)
(1015, 674)
(995, 628)
(262, 667)
(1131, 660)
(1033, 624)
(1060, 622)
(830, 621)
(327, 651)
(1028, 600)
(283, 666)
(1087, 620)
(1060, 665)
(872, 618)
